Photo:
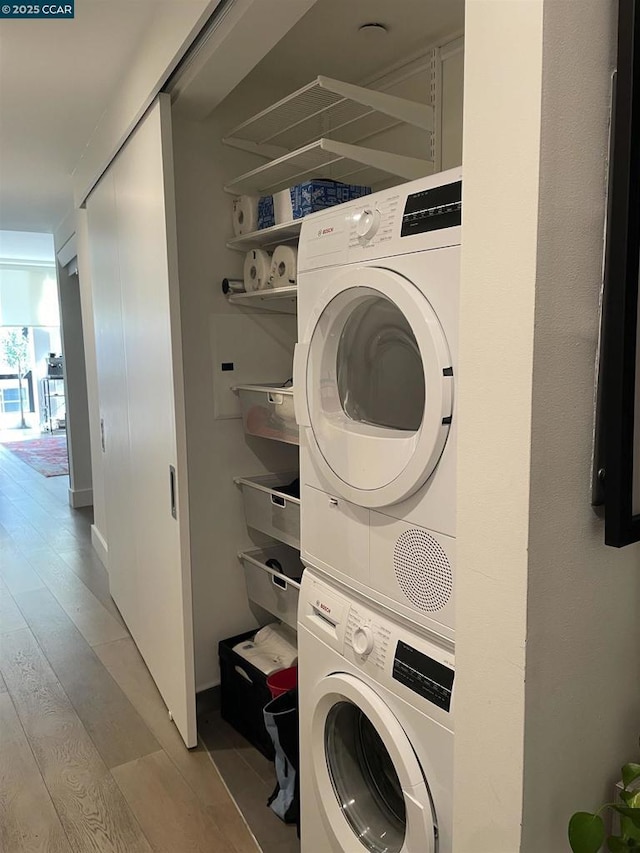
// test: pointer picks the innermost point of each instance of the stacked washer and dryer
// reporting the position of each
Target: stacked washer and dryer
(374, 374)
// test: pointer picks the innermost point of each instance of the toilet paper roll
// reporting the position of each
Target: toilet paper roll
(257, 266)
(245, 214)
(284, 267)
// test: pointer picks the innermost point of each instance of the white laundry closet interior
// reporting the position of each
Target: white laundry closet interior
(253, 333)
(374, 107)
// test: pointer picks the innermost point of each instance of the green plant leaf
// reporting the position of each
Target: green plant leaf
(586, 832)
(615, 844)
(630, 832)
(631, 798)
(632, 814)
(630, 772)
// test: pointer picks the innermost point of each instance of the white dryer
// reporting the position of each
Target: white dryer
(376, 729)
(374, 373)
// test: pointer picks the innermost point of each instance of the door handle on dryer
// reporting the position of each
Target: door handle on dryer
(301, 408)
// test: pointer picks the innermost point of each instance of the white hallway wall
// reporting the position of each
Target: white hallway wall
(75, 381)
(549, 637)
(99, 530)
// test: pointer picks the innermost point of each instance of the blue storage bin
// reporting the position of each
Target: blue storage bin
(312, 196)
(266, 217)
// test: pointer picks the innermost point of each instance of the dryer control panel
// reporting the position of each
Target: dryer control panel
(432, 209)
(375, 224)
(412, 217)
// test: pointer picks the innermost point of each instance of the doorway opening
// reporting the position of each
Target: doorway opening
(32, 398)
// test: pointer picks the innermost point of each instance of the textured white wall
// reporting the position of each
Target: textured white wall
(501, 148)
(582, 717)
(549, 638)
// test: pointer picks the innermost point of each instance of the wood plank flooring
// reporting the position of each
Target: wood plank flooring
(89, 761)
(28, 819)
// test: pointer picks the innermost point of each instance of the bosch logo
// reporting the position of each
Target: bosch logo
(324, 231)
(325, 607)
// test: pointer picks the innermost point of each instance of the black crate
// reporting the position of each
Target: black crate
(243, 697)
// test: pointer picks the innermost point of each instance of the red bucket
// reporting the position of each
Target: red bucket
(282, 681)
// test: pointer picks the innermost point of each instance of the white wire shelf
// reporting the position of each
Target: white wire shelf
(287, 232)
(284, 300)
(328, 107)
(326, 158)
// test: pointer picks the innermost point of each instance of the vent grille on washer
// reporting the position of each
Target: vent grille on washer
(423, 570)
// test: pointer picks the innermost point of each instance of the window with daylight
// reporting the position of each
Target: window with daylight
(10, 396)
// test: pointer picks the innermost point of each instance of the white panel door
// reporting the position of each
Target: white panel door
(112, 389)
(159, 612)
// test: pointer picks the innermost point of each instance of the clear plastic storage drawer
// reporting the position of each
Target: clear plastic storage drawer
(272, 505)
(267, 411)
(273, 580)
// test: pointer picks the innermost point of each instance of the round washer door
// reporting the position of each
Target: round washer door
(379, 386)
(369, 784)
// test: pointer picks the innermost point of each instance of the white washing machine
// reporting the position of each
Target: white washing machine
(376, 728)
(374, 373)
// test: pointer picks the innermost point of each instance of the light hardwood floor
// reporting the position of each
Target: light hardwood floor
(89, 761)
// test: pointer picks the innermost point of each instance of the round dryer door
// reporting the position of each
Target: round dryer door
(379, 387)
(368, 780)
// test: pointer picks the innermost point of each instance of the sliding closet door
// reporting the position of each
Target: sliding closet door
(160, 618)
(151, 582)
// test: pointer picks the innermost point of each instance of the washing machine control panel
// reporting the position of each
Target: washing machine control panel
(369, 639)
(394, 656)
(423, 675)
(433, 209)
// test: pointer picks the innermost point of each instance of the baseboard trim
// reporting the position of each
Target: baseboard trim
(80, 497)
(100, 546)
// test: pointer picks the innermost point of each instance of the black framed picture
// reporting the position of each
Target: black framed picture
(618, 419)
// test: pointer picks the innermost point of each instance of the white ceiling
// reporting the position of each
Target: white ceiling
(327, 40)
(56, 79)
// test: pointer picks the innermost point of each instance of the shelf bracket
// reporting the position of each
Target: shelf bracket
(411, 112)
(405, 167)
(262, 149)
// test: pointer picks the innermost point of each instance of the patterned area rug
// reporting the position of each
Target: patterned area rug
(47, 456)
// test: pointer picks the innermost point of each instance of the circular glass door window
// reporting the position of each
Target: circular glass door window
(379, 369)
(364, 779)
